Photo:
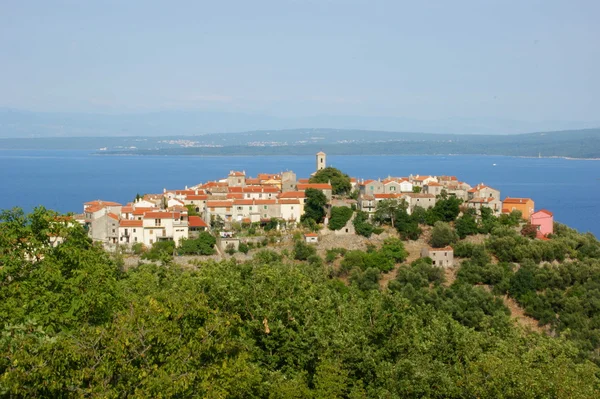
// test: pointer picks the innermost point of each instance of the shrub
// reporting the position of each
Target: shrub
(203, 245)
(243, 248)
(442, 234)
(302, 251)
(138, 248)
(340, 215)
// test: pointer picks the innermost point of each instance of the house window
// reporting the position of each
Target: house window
(265, 207)
(240, 208)
(265, 215)
(292, 207)
(152, 242)
(134, 230)
(371, 188)
(392, 188)
(151, 232)
(250, 208)
(113, 230)
(135, 239)
(157, 222)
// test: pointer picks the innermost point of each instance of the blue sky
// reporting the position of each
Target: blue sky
(524, 60)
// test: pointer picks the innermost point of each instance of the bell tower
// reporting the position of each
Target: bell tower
(321, 160)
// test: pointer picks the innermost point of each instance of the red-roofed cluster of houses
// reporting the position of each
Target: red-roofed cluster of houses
(164, 216)
(244, 199)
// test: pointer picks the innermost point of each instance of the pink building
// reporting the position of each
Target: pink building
(544, 220)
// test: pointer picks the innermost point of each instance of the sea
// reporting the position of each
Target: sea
(63, 180)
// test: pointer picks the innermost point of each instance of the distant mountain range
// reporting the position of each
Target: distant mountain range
(27, 124)
(583, 143)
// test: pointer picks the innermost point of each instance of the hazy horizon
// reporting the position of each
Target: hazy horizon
(438, 67)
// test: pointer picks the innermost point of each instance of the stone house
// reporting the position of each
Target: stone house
(420, 181)
(434, 188)
(236, 179)
(483, 191)
(442, 257)
(423, 200)
(485, 202)
(372, 187)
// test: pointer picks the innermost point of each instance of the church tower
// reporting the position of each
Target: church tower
(320, 160)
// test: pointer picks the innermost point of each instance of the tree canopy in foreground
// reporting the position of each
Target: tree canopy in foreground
(75, 324)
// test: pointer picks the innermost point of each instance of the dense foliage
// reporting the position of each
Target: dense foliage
(204, 244)
(340, 215)
(314, 207)
(74, 324)
(340, 182)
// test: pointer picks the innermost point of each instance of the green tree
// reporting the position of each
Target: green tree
(362, 225)
(204, 244)
(388, 208)
(393, 248)
(442, 235)
(340, 215)
(340, 182)
(314, 207)
(160, 251)
(466, 225)
(303, 251)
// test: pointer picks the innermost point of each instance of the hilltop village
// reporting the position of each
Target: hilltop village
(176, 215)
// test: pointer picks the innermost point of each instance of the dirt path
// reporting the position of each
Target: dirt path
(519, 316)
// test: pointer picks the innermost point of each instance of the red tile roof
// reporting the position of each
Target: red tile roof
(303, 181)
(292, 194)
(547, 212)
(289, 201)
(127, 209)
(508, 200)
(196, 221)
(219, 204)
(421, 178)
(199, 197)
(311, 235)
(162, 215)
(265, 201)
(431, 249)
(260, 189)
(235, 173)
(113, 216)
(235, 195)
(243, 202)
(94, 208)
(102, 203)
(389, 195)
(142, 210)
(131, 223)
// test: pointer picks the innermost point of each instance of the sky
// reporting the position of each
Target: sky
(525, 60)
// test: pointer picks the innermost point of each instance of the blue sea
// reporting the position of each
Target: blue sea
(64, 180)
